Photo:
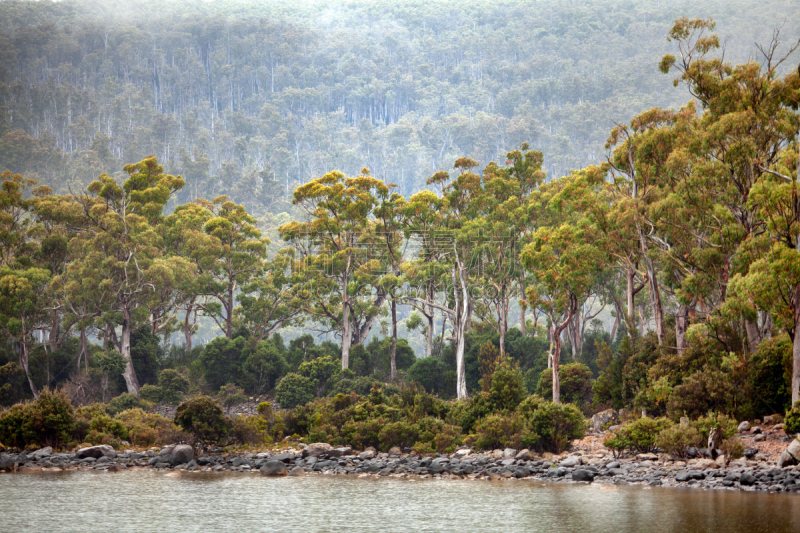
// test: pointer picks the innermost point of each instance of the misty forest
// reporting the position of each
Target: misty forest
(418, 224)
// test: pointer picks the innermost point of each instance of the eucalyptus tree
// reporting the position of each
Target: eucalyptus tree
(334, 247)
(117, 247)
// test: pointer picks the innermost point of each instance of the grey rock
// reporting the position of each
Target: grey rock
(747, 479)
(602, 418)
(509, 453)
(317, 449)
(297, 471)
(366, 455)
(744, 426)
(395, 451)
(682, 476)
(759, 438)
(583, 475)
(521, 471)
(41, 453)
(103, 460)
(794, 449)
(96, 452)
(7, 461)
(343, 451)
(612, 464)
(570, 462)
(273, 468)
(285, 457)
(523, 455)
(508, 462)
(176, 454)
(756, 430)
(750, 453)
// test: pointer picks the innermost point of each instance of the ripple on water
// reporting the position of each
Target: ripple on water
(203, 502)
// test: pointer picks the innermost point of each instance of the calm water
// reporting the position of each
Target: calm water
(150, 501)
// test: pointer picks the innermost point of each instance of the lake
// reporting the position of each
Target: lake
(146, 500)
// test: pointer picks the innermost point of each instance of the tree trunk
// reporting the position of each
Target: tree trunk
(229, 313)
(187, 329)
(430, 332)
(753, 335)
(346, 335)
(523, 327)
(394, 341)
(24, 357)
(655, 299)
(681, 325)
(125, 349)
(556, 356)
(53, 333)
(84, 352)
(462, 328)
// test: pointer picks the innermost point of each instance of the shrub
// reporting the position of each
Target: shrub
(556, 425)
(430, 373)
(732, 447)
(149, 429)
(640, 435)
(576, 384)
(294, 390)
(770, 373)
(231, 395)
(203, 419)
(676, 439)
(13, 384)
(507, 388)
(105, 430)
(715, 420)
(173, 386)
(791, 424)
(126, 401)
(251, 430)
(498, 431)
(13, 430)
(466, 413)
(360, 385)
(263, 367)
(51, 419)
(703, 391)
(265, 411)
(151, 393)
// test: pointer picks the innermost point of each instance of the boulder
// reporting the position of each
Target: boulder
(509, 453)
(176, 454)
(647, 457)
(756, 430)
(96, 452)
(41, 453)
(273, 468)
(523, 455)
(463, 452)
(342, 451)
(297, 471)
(395, 451)
(366, 455)
(602, 418)
(744, 426)
(317, 449)
(569, 462)
(7, 461)
(769, 420)
(747, 479)
(284, 457)
(583, 475)
(791, 455)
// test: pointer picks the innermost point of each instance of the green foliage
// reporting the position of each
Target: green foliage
(13, 384)
(151, 393)
(251, 430)
(231, 395)
(732, 447)
(222, 361)
(676, 439)
(173, 386)
(792, 421)
(430, 372)
(639, 436)
(507, 388)
(294, 390)
(320, 373)
(703, 391)
(556, 425)
(263, 367)
(111, 362)
(48, 421)
(126, 401)
(146, 353)
(498, 431)
(149, 429)
(203, 419)
(576, 384)
(770, 375)
(725, 424)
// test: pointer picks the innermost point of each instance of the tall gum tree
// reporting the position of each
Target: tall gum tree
(334, 255)
(118, 246)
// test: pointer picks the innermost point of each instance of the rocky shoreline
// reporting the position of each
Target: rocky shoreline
(320, 458)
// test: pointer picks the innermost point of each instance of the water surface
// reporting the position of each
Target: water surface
(146, 500)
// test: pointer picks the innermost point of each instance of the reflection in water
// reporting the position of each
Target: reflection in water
(151, 501)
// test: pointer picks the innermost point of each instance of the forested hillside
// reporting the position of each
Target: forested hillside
(251, 99)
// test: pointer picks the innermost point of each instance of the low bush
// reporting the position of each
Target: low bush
(676, 439)
(715, 420)
(294, 390)
(48, 421)
(151, 393)
(639, 436)
(251, 431)
(703, 391)
(231, 395)
(150, 429)
(576, 384)
(173, 386)
(507, 388)
(126, 401)
(732, 447)
(791, 424)
(556, 425)
(203, 420)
